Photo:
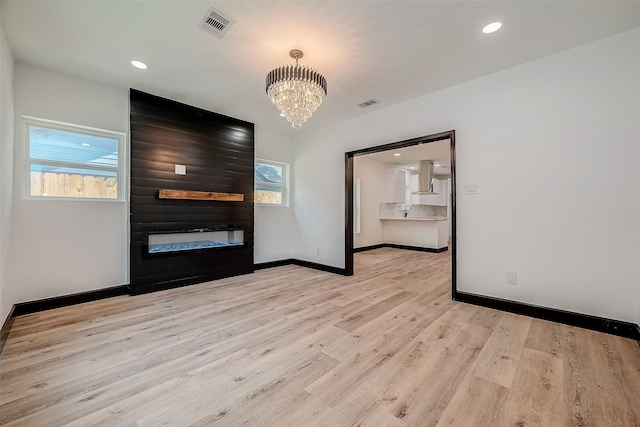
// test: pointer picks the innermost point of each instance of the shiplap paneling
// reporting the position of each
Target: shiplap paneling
(218, 152)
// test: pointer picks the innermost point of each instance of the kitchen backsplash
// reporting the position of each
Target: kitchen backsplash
(397, 210)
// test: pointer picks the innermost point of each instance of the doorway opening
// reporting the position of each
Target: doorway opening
(349, 194)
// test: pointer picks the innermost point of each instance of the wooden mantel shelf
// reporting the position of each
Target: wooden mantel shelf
(200, 195)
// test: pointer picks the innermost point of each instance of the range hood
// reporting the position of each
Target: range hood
(425, 178)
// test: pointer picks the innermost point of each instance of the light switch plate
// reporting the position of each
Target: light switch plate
(181, 169)
(471, 189)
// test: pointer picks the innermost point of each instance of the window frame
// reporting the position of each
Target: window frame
(284, 186)
(120, 170)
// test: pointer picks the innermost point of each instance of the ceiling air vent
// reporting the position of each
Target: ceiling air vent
(368, 103)
(216, 23)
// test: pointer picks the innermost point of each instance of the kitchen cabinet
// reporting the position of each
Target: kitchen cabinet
(399, 183)
(417, 232)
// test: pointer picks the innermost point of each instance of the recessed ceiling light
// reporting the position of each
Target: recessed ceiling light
(437, 165)
(139, 64)
(396, 154)
(492, 28)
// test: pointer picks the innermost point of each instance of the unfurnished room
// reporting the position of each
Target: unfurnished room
(319, 213)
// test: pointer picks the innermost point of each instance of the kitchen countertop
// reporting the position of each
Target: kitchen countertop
(417, 219)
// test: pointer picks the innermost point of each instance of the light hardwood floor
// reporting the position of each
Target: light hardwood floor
(291, 346)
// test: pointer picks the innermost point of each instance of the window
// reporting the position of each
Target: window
(271, 183)
(70, 161)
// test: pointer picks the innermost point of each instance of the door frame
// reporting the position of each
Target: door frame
(348, 237)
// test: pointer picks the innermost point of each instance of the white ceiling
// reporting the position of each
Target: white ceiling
(390, 51)
(409, 157)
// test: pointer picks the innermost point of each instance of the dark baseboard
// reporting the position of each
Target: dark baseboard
(271, 264)
(65, 300)
(416, 248)
(369, 248)
(301, 263)
(321, 267)
(6, 328)
(23, 308)
(392, 245)
(600, 324)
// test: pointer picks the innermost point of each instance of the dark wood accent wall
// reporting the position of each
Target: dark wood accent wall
(218, 152)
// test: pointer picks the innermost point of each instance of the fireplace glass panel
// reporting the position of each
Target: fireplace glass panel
(195, 240)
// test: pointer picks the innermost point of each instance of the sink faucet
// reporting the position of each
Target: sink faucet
(407, 208)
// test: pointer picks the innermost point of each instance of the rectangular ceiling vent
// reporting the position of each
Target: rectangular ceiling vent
(216, 23)
(368, 103)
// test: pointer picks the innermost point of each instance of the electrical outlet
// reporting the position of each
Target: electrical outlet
(317, 251)
(512, 277)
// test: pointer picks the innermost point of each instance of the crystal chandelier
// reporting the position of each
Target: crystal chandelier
(296, 90)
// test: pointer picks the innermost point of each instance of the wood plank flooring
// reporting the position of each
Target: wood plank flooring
(291, 346)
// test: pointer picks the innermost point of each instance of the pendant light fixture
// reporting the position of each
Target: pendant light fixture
(296, 90)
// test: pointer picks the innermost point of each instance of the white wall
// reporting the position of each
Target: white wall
(375, 183)
(273, 224)
(553, 147)
(6, 174)
(65, 247)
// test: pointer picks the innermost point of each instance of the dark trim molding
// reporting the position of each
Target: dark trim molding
(23, 308)
(65, 300)
(453, 238)
(321, 267)
(348, 214)
(404, 144)
(6, 328)
(348, 192)
(302, 263)
(600, 324)
(271, 264)
(370, 248)
(393, 245)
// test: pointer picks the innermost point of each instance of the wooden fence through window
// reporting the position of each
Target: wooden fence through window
(265, 196)
(64, 185)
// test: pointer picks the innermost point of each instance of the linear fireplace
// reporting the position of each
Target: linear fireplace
(197, 239)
